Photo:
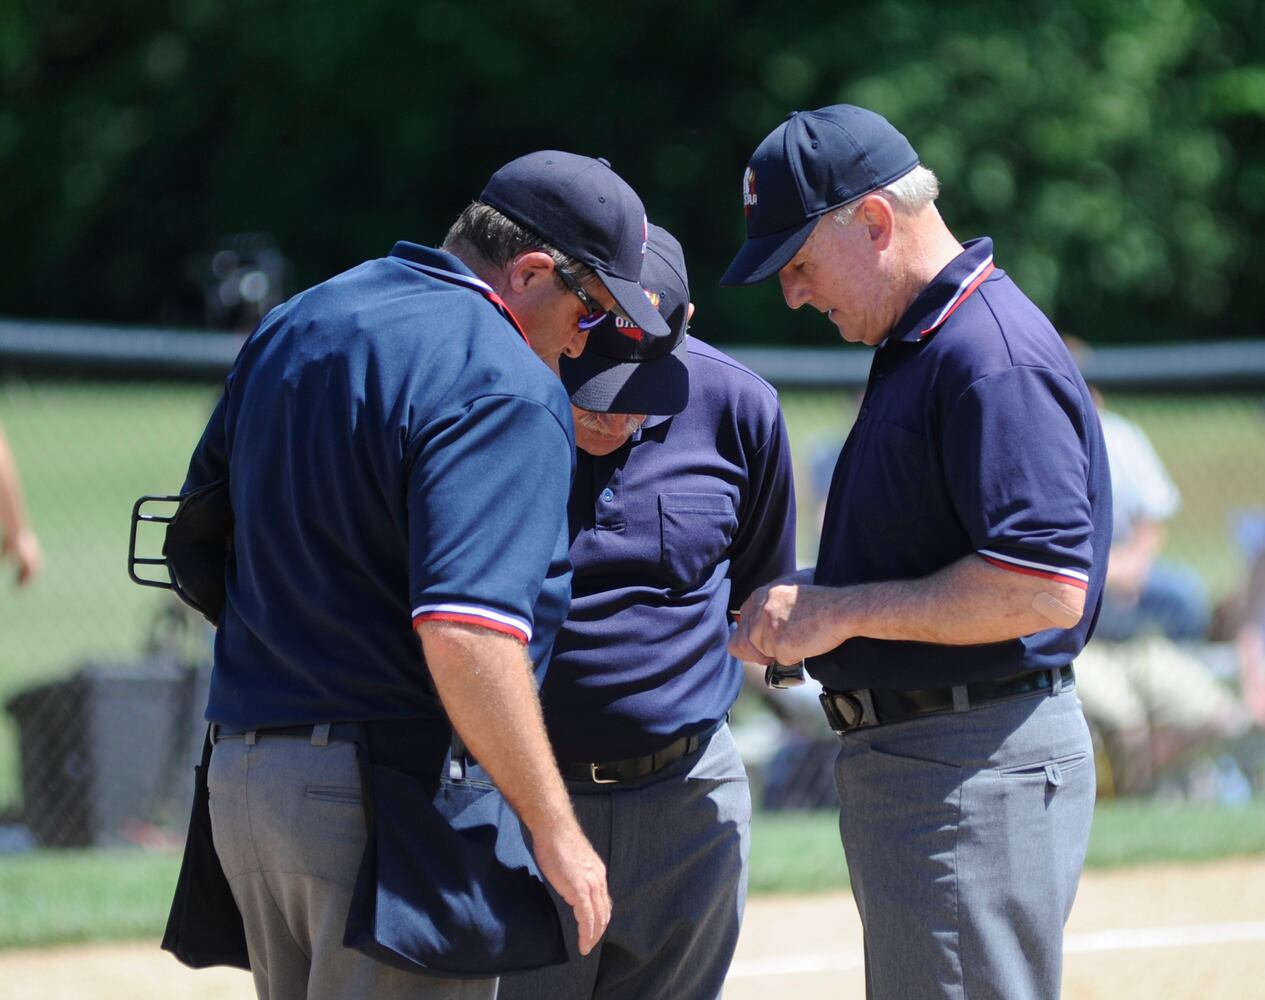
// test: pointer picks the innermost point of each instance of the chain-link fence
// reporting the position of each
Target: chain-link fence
(103, 682)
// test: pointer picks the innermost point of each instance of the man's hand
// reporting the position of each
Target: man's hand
(577, 874)
(785, 622)
(24, 549)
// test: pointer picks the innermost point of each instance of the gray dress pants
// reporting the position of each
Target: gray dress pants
(675, 847)
(965, 835)
(290, 831)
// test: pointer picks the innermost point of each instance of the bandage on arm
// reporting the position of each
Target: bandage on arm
(1049, 606)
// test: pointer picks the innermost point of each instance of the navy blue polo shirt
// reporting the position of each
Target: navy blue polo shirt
(396, 453)
(669, 533)
(976, 435)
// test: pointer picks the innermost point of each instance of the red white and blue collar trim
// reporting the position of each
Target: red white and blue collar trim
(1015, 565)
(473, 614)
(969, 284)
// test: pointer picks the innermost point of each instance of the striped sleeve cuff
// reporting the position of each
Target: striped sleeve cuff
(1075, 577)
(472, 614)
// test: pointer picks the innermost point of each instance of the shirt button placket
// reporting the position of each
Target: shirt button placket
(610, 503)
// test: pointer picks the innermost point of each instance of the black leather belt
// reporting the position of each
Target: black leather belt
(849, 710)
(349, 731)
(612, 772)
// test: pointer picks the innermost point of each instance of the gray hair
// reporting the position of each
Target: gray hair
(909, 194)
(498, 239)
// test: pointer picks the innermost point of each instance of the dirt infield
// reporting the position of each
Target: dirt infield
(1172, 932)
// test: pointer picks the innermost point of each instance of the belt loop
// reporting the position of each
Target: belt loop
(213, 733)
(961, 698)
(1056, 681)
(320, 734)
(251, 736)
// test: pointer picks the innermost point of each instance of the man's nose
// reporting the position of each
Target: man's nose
(793, 289)
(575, 346)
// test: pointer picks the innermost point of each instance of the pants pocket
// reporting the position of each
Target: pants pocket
(333, 793)
(1053, 771)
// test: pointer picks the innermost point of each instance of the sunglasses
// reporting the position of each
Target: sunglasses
(595, 311)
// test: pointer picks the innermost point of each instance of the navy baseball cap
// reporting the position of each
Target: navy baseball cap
(585, 209)
(628, 369)
(812, 163)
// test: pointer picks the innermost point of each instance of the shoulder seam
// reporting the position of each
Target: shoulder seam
(734, 365)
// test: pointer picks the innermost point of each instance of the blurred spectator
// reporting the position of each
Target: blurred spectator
(1144, 593)
(800, 772)
(1243, 617)
(19, 541)
(1154, 704)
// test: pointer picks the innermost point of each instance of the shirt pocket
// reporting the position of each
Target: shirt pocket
(695, 530)
(892, 491)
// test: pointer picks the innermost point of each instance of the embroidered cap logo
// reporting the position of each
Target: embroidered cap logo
(628, 328)
(748, 191)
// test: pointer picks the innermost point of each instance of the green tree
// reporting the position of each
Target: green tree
(1114, 150)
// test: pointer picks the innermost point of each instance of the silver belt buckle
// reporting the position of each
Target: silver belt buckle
(598, 780)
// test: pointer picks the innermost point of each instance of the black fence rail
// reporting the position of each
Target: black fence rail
(123, 352)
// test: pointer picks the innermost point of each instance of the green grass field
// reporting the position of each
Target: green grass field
(49, 898)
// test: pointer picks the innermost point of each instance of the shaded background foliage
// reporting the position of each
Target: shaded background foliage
(1114, 149)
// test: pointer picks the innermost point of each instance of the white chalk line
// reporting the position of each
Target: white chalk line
(1122, 939)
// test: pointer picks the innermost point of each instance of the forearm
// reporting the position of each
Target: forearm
(486, 686)
(12, 511)
(968, 602)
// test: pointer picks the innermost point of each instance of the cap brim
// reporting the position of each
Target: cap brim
(636, 305)
(606, 385)
(762, 256)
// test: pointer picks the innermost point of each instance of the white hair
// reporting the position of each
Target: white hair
(909, 194)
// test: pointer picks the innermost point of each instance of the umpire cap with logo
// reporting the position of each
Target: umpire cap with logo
(585, 209)
(627, 369)
(812, 163)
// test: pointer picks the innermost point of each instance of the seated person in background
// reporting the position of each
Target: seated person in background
(1243, 617)
(799, 771)
(1143, 593)
(1153, 701)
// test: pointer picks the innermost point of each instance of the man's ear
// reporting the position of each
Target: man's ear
(528, 269)
(689, 314)
(879, 218)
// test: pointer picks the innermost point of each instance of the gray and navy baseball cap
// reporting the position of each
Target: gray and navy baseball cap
(586, 210)
(628, 369)
(811, 164)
